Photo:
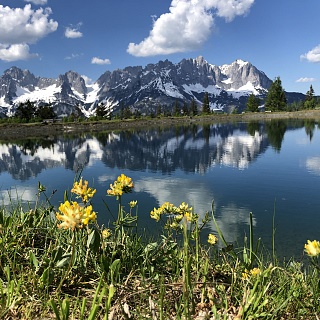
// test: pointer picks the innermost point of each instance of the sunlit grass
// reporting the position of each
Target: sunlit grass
(58, 263)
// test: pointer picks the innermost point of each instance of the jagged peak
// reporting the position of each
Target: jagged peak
(241, 62)
(200, 60)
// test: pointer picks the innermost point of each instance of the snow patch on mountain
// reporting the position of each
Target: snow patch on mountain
(93, 91)
(46, 94)
(141, 89)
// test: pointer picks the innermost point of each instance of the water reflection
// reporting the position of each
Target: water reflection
(243, 167)
(190, 149)
(310, 126)
(313, 165)
(275, 130)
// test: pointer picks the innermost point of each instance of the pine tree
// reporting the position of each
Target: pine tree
(159, 111)
(310, 101)
(25, 111)
(176, 109)
(185, 109)
(45, 112)
(205, 104)
(101, 111)
(276, 99)
(193, 108)
(253, 103)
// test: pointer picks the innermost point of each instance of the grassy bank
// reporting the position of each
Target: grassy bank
(57, 263)
(30, 130)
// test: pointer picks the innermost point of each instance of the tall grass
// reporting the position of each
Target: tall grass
(81, 270)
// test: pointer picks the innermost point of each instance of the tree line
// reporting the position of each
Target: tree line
(274, 101)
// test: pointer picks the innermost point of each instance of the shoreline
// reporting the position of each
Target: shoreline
(33, 130)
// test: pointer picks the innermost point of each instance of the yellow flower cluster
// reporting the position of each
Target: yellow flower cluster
(168, 208)
(106, 233)
(74, 216)
(253, 272)
(133, 203)
(122, 185)
(212, 239)
(81, 189)
(312, 248)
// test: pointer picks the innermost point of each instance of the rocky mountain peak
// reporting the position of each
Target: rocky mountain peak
(140, 88)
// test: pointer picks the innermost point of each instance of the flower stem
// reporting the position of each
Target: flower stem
(73, 245)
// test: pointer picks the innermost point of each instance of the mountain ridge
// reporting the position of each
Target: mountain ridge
(142, 89)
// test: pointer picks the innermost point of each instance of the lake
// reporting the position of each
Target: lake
(268, 168)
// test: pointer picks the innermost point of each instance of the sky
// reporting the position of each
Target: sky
(50, 37)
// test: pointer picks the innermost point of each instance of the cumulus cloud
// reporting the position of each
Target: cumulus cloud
(20, 27)
(15, 52)
(96, 60)
(38, 2)
(306, 80)
(313, 55)
(88, 81)
(187, 26)
(74, 56)
(73, 32)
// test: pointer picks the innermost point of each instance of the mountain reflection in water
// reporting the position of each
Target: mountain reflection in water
(243, 167)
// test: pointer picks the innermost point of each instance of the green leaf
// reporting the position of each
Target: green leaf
(150, 247)
(91, 237)
(64, 261)
(34, 260)
(65, 196)
(53, 305)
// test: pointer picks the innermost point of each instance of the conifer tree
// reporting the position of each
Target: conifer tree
(185, 109)
(25, 111)
(176, 109)
(193, 108)
(159, 111)
(276, 99)
(310, 101)
(205, 104)
(253, 103)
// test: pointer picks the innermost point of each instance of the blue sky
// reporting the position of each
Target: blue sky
(51, 37)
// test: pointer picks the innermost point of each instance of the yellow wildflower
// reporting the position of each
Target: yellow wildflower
(255, 272)
(185, 211)
(133, 203)
(212, 239)
(74, 216)
(115, 190)
(81, 189)
(88, 215)
(123, 184)
(245, 274)
(168, 207)
(106, 233)
(156, 214)
(312, 248)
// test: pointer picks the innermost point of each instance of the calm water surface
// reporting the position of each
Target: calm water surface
(263, 168)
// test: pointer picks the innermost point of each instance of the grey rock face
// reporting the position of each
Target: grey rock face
(143, 89)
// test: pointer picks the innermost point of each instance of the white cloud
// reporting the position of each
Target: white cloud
(97, 60)
(73, 32)
(87, 80)
(20, 27)
(15, 52)
(313, 55)
(187, 26)
(306, 80)
(74, 56)
(38, 2)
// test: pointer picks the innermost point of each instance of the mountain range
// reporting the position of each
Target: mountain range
(140, 88)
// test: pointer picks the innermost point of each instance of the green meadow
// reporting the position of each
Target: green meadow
(58, 263)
